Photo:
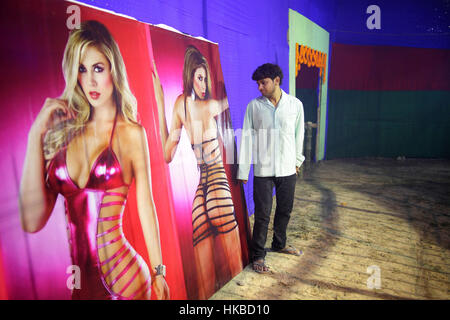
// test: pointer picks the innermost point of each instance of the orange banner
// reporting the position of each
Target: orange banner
(310, 57)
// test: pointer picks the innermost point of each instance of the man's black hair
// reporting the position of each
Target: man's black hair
(268, 70)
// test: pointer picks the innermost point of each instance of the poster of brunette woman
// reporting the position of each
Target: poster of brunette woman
(87, 209)
(198, 145)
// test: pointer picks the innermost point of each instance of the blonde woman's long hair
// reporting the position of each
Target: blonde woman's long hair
(90, 33)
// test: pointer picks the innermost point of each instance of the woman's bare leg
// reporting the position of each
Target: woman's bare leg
(203, 247)
(231, 245)
(204, 260)
(221, 213)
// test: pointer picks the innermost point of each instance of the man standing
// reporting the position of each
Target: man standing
(273, 132)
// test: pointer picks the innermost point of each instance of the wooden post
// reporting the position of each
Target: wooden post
(308, 145)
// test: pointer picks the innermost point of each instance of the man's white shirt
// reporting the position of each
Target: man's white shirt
(272, 137)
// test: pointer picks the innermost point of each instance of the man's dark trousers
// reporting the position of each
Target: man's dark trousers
(262, 196)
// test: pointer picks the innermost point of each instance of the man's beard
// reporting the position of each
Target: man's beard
(270, 94)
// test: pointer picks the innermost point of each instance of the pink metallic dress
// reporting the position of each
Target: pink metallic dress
(110, 267)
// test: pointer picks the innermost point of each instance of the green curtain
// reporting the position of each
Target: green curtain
(414, 124)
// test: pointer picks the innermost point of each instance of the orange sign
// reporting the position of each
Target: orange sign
(310, 57)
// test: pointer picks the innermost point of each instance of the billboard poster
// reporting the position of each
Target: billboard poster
(118, 159)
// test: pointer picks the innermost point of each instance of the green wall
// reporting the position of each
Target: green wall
(413, 124)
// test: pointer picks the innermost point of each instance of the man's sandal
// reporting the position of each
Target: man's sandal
(260, 266)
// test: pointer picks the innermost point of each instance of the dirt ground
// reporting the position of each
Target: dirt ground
(368, 228)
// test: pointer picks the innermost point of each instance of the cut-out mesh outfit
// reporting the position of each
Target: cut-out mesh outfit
(211, 214)
(109, 266)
